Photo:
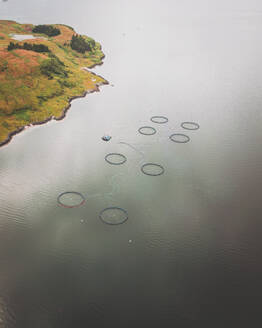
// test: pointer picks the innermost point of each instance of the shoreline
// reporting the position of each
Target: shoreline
(64, 111)
(58, 107)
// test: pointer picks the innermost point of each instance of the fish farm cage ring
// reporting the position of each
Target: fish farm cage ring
(179, 138)
(152, 169)
(71, 199)
(147, 130)
(115, 158)
(190, 125)
(159, 119)
(113, 215)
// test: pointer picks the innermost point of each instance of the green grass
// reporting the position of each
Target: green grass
(5, 125)
(22, 114)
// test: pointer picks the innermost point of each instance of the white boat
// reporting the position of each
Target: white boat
(106, 138)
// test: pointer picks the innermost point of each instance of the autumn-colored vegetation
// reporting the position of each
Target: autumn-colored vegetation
(36, 86)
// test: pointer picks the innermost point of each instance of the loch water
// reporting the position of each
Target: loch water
(189, 253)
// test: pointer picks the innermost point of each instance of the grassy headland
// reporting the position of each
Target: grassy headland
(39, 77)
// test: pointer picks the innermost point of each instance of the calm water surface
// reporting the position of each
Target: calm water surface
(189, 254)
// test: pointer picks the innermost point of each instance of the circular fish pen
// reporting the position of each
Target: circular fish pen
(152, 169)
(190, 126)
(179, 138)
(115, 158)
(113, 215)
(71, 199)
(159, 119)
(147, 130)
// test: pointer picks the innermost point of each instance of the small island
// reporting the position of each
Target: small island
(42, 69)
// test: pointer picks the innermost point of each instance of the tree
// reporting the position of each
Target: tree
(46, 29)
(79, 44)
(12, 46)
(28, 46)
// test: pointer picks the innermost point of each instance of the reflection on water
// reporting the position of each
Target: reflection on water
(194, 259)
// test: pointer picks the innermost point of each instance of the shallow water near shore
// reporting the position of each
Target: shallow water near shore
(194, 259)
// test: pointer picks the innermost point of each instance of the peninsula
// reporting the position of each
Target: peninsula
(43, 68)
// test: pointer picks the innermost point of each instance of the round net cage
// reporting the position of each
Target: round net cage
(190, 125)
(147, 130)
(70, 199)
(159, 119)
(179, 138)
(113, 215)
(152, 169)
(115, 158)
